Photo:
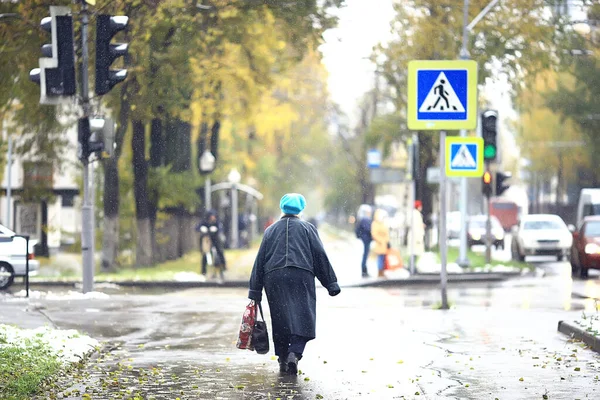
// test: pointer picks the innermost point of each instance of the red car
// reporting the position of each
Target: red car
(585, 252)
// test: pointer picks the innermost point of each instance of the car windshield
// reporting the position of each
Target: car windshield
(542, 224)
(479, 223)
(592, 229)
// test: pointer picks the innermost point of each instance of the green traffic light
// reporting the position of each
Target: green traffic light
(489, 152)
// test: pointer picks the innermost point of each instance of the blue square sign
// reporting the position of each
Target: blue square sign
(464, 156)
(442, 94)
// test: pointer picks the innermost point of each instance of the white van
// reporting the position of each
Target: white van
(589, 204)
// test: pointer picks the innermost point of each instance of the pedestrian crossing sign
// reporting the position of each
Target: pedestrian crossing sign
(464, 156)
(442, 95)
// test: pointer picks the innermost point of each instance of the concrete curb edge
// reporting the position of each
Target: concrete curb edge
(577, 333)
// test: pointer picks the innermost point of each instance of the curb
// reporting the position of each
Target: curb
(434, 279)
(577, 333)
(419, 279)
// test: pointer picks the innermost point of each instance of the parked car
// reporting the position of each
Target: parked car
(585, 251)
(541, 234)
(12, 257)
(453, 224)
(589, 204)
(476, 231)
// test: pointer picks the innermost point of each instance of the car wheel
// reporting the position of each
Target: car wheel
(514, 252)
(7, 276)
(583, 272)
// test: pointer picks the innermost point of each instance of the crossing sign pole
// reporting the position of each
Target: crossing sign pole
(442, 95)
(443, 235)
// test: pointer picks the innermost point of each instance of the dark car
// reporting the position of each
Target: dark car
(476, 231)
(585, 251)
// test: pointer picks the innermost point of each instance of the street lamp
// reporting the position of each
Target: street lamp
(234, 178)
(206, 164)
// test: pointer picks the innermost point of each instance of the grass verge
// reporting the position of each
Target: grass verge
(478, 259)
(24, 367)
(239, 266)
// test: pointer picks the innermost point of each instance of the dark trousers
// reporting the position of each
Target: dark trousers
(218, 263)
(289, 344)
(367, 244)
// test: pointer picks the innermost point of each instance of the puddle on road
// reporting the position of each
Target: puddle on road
(125, 373)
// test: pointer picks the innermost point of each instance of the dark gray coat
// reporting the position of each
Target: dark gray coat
(291, 255)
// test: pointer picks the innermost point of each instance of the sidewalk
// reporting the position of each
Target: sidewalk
(183, 345)
(344, 250)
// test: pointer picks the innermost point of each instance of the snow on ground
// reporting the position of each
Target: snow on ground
(70, 295)
(189, 277)
(67, 345)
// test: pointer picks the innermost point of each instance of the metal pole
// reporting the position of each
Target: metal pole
(254, 228)
(488, 233)
(234, 216)
(411, 206)
(207, 199)
(27, 265)
(464, 51)
(87, 210)
(9, 183)
(443, 235)
(463, 259)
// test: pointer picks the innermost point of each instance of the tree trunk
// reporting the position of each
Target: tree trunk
(140, 189)
(110, 235)
(157, 147)
(110, 243)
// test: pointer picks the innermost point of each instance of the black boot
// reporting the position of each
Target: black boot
(283, 367)
(292, 364)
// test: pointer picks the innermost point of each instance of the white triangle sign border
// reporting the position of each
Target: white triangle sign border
(433, 98)
(463, 150)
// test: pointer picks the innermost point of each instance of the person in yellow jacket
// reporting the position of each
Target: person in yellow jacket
(380, 232)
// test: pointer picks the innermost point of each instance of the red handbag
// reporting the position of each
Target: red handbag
(247, 327)
(393, 259)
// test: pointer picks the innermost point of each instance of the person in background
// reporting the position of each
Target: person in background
(418, 230)
(209, 230)
(291, 255)
(381, 235)
(363, 232)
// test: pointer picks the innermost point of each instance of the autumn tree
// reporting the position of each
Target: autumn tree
(516, 37)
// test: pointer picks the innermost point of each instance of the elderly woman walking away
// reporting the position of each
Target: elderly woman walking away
(290, 256)
(381, 235)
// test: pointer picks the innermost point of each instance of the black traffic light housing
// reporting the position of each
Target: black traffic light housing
(489, 132)
(486, 184)
(106, 52)
(500, 178)
(56, 72)
(96, 135)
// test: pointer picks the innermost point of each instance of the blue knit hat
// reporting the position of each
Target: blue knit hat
(292, 203)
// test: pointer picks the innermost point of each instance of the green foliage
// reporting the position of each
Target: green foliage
(175, 189)
(24, 368)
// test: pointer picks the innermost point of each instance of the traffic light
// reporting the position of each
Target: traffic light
(489, 130)
(96, 135)
(500, 178)
(106, 52)
(56, 74)
(486, 187)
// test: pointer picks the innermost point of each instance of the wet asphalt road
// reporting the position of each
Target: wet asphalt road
(498, 341)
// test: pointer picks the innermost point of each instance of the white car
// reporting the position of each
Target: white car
(541, 234)
(13, 257)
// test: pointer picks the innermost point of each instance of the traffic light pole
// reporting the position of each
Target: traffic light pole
(488, 227)
(463, 260)
(87, 209)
